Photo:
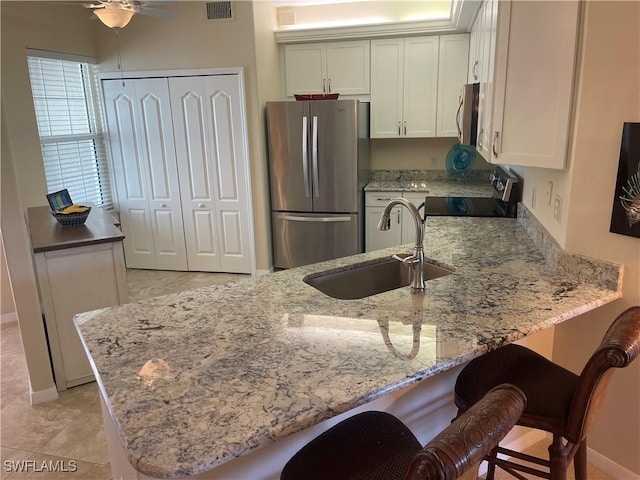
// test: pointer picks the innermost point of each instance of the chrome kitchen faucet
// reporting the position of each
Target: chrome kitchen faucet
(416, 261)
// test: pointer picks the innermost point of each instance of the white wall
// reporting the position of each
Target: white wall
(269, 87)
(608, 95)
(45, 26)
(185, 39)
(7, 307)
(21, 273)
(371, 12)
(415, 154)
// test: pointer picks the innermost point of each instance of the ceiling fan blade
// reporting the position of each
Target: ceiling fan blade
(152, 12)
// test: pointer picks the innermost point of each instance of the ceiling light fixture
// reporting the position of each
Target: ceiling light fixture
(115, 18)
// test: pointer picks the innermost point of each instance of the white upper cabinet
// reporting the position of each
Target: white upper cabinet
(481, 70)
(404, 87)
(415, 85)
(336, 67)
(452, 71)
(533, 84)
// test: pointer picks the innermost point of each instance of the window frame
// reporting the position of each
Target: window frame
(84, 150)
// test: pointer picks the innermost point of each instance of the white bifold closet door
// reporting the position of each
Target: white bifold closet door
(209, 143)
(191, 143)
(144, 161)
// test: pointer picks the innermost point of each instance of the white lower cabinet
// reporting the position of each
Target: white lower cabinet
(181, 170)
(402, 224)
(75, 280)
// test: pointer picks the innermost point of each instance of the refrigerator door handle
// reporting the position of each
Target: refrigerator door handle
(314, 156)
(295, 218)
(305, 156)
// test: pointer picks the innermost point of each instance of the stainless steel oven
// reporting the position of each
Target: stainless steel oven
(506, 188)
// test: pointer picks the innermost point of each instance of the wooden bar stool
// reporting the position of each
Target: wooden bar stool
(377, 446)
(558, 401)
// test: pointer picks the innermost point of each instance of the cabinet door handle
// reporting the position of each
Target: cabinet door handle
(164, 205)
(496, 136)
(399, 127)
(398, 217)
(329, 83)
(324, 85)
(405, 128)
(475, 66)
(480, 137)
(201, 205)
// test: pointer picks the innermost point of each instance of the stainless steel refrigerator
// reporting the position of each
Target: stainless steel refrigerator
(318, 167)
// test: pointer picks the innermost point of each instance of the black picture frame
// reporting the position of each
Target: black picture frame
(625, 215)
(59, 200)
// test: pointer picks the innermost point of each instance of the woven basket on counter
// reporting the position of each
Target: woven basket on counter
(71, 219)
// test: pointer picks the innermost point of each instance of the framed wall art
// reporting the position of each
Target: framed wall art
(625, 217)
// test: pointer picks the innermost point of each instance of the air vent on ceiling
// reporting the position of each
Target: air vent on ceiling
(219, 11)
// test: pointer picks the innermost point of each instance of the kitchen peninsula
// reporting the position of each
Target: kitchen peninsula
(197, 382)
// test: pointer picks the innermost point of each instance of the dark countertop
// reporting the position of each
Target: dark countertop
(47, 234)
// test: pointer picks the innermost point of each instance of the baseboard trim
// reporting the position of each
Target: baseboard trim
(42, 396)
(8, 318)
(609, 467)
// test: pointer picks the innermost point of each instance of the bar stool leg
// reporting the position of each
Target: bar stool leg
(491, 468)
(580, 461)
(558, 457)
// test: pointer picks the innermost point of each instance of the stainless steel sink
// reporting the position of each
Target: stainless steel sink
(369, 278)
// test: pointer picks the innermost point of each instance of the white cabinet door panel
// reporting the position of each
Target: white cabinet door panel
(531, 126)
(209, 140)
(378, 239)
(232, 205)
(141, 138)
(194, 147)
(452, 71)
(141, 246)
(420, 86)
(204, 239)
(164, 198)
(305, 68)
(348, 67)
(387, 60)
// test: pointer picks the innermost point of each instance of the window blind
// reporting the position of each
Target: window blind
(66, 105)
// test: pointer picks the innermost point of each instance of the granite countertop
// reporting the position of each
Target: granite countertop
(435, 183)
(47, 234)
(196, 379)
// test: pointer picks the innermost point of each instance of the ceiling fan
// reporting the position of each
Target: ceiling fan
(116, 14)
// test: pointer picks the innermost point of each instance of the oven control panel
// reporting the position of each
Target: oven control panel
(505, 184)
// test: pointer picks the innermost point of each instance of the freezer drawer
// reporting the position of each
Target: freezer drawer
(302, 239)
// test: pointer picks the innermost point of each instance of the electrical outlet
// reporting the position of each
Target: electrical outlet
(434, 160)
(534, 194)
(557, 208)
(549, 192)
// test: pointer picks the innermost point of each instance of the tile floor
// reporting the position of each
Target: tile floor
(67, 433)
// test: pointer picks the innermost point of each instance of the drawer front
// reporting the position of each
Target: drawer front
(380, 199)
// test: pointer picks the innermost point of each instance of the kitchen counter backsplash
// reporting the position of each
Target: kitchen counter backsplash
(433, 175)
(436, 183)
(580, 268)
